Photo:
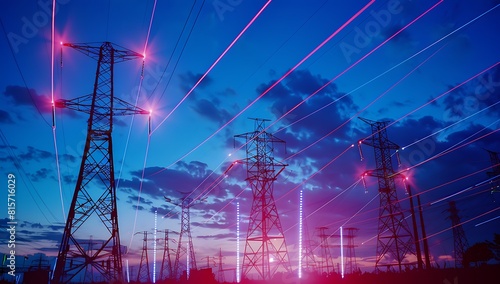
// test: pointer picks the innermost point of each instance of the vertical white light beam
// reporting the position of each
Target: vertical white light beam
(341, 252)
(53, 270)
(187, 261)
(237, 242)
(300, 234)
(154, 247)
(128, 272)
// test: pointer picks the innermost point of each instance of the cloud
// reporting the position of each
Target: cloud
(34, 233)
(36, 226)
(135, 198)
(217, 236)
(28, 97)
(189, 79)
(40, 174)
(34, 154)
(212, 110)
(5, 117)
(171, 182)
(474, 96)
(292, 91)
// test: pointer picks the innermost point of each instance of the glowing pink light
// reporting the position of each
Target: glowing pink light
(342, 252)
(215, 63)
(267, 90)
(300, 233)
(238, 242)
(361, 59)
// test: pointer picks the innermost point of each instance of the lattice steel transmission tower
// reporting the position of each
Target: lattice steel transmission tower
(166, 271)
(351, 265)
(143, 274)
(185, 203)
(309, 263)
(326, 256)
(460, 243)
(94, 198)
(394, 238)
(265, 247)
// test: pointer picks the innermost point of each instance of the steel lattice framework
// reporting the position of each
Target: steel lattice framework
(326, 266)
(143, 275)
(351, 266)
(394, 238)
(265, 248)
(185, 250)
(166, 263)
(94, 200)
(460, 243)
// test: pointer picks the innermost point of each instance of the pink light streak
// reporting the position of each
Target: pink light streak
(436, 98)
(359, 60)
(367, 106)
(273, 85)
(215, 63)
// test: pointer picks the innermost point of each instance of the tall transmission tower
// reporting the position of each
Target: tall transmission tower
(351, 265)
(326, 256)
(460, 243)
(309, 263)
(94, 200)
(394, 238)
(166, 263)
(185, 250)
(143, 274)
(265, 247)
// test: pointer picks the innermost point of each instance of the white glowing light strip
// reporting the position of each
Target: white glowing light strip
(154, 247)
(187, 260)
(300, 234)
(238, 242)
(54, 269)
(128, 272)
(484, 222)
(342, 252)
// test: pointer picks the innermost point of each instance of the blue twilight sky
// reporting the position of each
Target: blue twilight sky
(312, 68)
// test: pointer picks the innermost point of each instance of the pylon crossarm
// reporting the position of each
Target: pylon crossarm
(124, 108)
(84, 104)
(94, 51)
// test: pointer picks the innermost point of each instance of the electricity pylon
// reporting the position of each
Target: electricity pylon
(327, 266)
(460, 243)
(185, 203)
(94, 200)
(166, 263)
(351, 265)
(143, 274)
(309, 262)
(394, 238)
(265, 248)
